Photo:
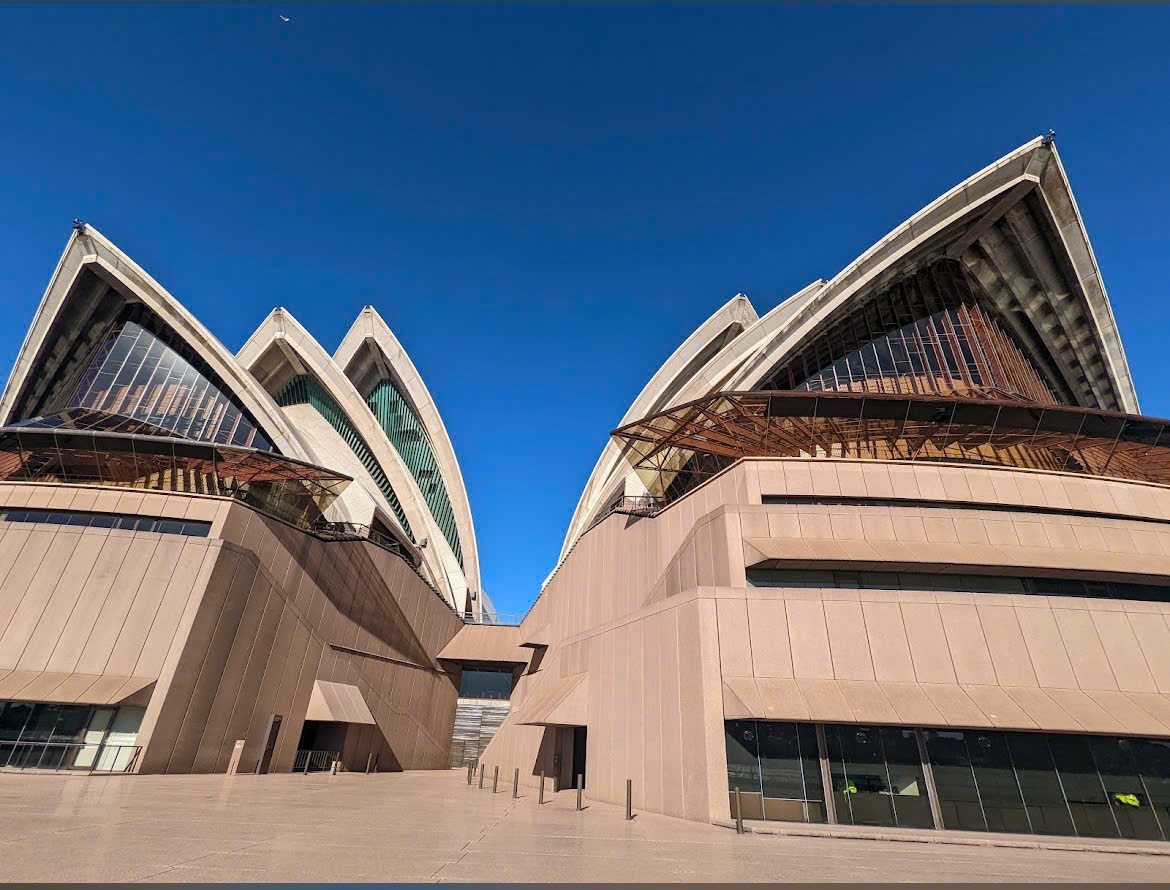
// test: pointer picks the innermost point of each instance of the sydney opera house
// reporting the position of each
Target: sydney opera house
(216, 562)
(895, 553)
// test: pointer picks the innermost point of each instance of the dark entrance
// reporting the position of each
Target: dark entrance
(265, 760)
(579, 739)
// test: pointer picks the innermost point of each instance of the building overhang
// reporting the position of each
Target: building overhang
(563, 701)
(338, 703)
(676, 450)
(293, 490)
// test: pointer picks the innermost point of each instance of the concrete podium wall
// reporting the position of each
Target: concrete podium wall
(230, 628)
(657, 613)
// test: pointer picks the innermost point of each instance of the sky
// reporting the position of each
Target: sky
(544, 201)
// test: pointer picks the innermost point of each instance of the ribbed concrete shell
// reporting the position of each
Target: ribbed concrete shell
(819, 587)
(369, 352)
(88, 251)
(281, 349)
(1014, 225)
(687, 363)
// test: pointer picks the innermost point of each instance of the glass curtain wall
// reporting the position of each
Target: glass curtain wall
(305, 390)
(47, 735)
(145, 372)
(405, 431)
(983, 780)
(926, 334)
(776, 768)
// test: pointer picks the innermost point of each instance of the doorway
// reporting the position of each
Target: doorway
(579, 747)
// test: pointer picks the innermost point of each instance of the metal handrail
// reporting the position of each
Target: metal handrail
(309, 761)
(504, 619)
(92, 757)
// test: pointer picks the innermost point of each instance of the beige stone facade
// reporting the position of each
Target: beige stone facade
(654, 613)
(214, 635)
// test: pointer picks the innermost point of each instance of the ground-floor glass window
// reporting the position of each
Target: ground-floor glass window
(776, 768)
(980, 780)
(877, 776)
(47, 735)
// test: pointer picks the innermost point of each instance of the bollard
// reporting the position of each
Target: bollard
(516, 783)
(470, 772)
(738, 813)
(540, 799)
(481, 769)
(369, 762)
(308, 760)
(495, 779)
(580, 786)
(629, 799)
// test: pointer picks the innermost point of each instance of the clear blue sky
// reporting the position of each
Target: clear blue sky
(543, 202)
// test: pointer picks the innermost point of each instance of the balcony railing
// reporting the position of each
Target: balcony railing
(69, 756)
(308, 761)
(504, 619)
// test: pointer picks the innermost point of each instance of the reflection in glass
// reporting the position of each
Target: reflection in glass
(861, 785)
(926, 334)
(1124, 789)
(995, 775)
(958, 796)
(1083, 790)
(145, 372)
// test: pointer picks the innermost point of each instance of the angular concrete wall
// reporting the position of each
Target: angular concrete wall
(231, 629)
(656, 613)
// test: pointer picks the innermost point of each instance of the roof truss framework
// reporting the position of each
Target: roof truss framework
(677, 449)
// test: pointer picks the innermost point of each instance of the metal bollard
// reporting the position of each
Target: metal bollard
(540, 799)
(516, 783)
(308, 760)
(481, 769)
(496, 779)
(580, 787)
(470, 772)
(629, 799)
(738, 813)
(369, 762)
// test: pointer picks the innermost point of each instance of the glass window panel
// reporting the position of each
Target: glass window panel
(810, 757)
(743, 759)
(1003, 807)
(958, 796)
(1039, 784)
(71, 723)
(780, 760)
(1091, 812)
(857, 770)
(1132, 809)
(13, 719)
(1153, 759)
(906, 779)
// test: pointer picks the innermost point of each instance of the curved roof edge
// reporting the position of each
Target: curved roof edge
(370, 328)
(954, 222)
(297, 352)
(722, 328)
(88, 248)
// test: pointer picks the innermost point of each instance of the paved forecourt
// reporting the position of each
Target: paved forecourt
(430, 826)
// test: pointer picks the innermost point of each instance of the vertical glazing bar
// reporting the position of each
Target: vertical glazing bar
(826, 775)
(928, 773)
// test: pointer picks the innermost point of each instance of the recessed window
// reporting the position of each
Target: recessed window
(193, 528)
